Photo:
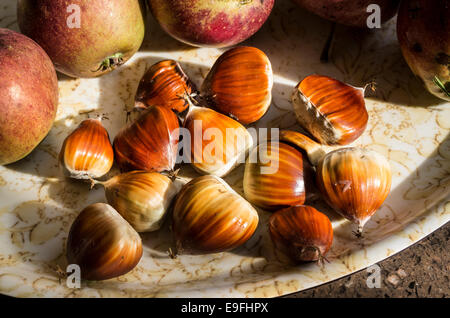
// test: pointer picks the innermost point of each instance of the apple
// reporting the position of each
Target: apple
(423, 30)
(211, 23)
(84, 38)
(28, 95)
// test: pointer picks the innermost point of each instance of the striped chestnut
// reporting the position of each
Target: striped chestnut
(150, 143)
(102, 243)
(239, 84)
(302, 233)
(87, 152)
(276, 176)
(331, 111)
(142, 198)
(218, 143)
(209, 216)
(354, 181)
(165, 84)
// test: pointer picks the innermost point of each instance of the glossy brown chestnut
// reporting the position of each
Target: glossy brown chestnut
(87, 152)
(355, 182)
(276, 176)
(102, 243)
(150, 143)
(240, 84)
(218, 142)
(142, 198)
(209, 216)
(332, 111)
(302, 233)
(165, 84)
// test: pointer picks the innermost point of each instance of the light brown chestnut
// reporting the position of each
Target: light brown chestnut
(331, 111)
(165, 84)
(142, 198)
(150, 143)
(276, 176)
(87, 152)
(240, 84)
(302, 233)
(218, 143)
(102, 243)
(354, 181)
(209, 216)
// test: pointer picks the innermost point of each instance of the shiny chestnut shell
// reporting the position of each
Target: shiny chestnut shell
(288, 174)
(209, 217)
(301, 232)
(102, 243)
(355, 182)
(165, 84)
(150, 143)
(142, 198)
(239, 84)
(227, 149)
(87, 152)
(332, 111)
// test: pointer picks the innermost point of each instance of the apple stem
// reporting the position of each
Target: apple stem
(111, 62)
(441, 85)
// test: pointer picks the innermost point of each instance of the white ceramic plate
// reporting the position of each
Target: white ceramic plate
(407, 125)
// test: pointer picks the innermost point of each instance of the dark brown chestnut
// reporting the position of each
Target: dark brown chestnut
(150, 143)
(102, 243)
(302, 233)
(165, 84)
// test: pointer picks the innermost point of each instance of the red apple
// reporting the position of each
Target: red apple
(28, 95)
(349, 12)
(84, 38)
(423, 29)
(211, 23)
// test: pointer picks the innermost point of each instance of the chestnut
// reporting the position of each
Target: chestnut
(209, 217)
(150, 143)
(165, 84)
(87, 152)
(240, 84)
(102, 243)
(331, 111)
(276, 175)
(302, 233)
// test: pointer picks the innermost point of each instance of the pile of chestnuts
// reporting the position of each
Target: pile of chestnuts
(207, 215)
